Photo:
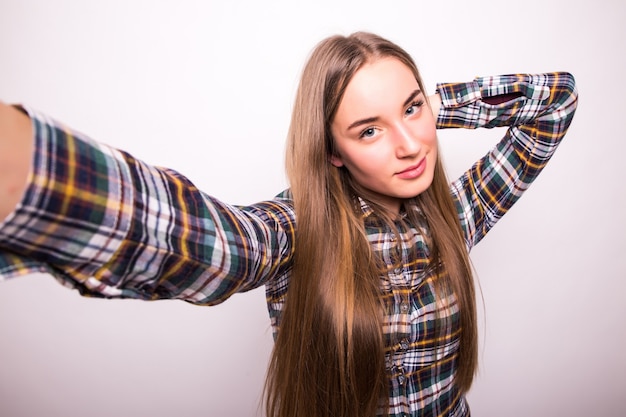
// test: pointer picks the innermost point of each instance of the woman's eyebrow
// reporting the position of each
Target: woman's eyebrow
(363, 122)
(412, 97)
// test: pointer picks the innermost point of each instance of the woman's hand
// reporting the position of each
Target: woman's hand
(435, 105)
(16, 150)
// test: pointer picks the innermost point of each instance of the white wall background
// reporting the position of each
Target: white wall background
(206, 87)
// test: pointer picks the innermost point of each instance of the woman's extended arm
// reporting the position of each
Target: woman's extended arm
(110, 225)
(16, 152)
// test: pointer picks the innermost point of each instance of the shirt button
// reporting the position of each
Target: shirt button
(404, 307)
(404, 344)
(401, 379)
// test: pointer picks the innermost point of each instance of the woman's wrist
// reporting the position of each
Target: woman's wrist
(435, 105)
(16, 149)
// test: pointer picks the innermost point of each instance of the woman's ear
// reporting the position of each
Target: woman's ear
(336, 161)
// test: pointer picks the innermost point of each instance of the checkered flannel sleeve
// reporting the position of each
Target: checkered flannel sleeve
(112, 226)
(538, 110)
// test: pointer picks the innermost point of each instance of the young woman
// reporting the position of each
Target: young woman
(364, 258)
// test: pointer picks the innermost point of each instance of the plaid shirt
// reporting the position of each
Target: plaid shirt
(109, 225)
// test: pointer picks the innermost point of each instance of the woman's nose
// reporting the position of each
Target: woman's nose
(406, 142)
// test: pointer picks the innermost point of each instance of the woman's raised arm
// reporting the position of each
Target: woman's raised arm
(16, 149)
(536, 108)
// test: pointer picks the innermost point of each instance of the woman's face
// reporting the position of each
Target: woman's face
(385, 134)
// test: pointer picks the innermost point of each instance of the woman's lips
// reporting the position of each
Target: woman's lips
(413, 171)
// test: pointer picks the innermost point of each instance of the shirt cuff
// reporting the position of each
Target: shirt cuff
(458, 94)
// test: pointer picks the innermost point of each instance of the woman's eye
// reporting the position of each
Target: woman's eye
(414, 108)
(368, 133)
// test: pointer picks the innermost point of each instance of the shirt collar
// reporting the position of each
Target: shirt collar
(370, 218)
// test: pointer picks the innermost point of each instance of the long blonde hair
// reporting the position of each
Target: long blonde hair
(328, 359)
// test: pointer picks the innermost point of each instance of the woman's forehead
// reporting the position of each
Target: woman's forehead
(383, 84)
